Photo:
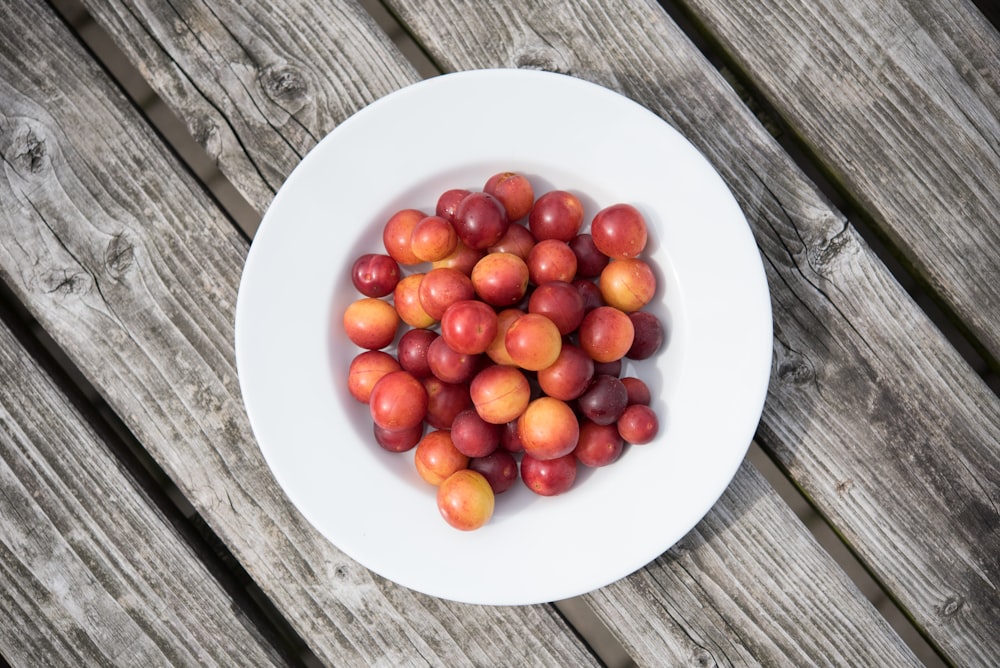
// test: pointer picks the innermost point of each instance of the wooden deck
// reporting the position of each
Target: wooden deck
(138, 522)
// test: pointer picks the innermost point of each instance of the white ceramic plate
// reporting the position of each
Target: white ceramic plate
(708, 381)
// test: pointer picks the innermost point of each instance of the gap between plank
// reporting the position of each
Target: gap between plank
(916, 286)
(173, 132)
(575, 611)
(840, 551)
(147, 476)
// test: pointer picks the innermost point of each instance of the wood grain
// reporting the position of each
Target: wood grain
(900, 101)
(131, 268)
(91, 572)
(747, 586)
(255, 85)
(870, 410)
(873, 637)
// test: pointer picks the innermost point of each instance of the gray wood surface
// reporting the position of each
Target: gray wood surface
(257, 87)
(752, 546)
(131, 268)
(870, 410)
(746, 586)
(91, 572)
(900, 101)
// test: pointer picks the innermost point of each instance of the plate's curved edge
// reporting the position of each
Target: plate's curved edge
(266, 229)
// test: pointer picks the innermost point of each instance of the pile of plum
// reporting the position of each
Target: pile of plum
(515, 323)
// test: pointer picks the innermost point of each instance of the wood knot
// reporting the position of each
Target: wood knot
(702, 658)
(539, 59)
(284, 85)
(28, 152)
(951, 606)
(795, 370)
(118, 256)
(206, 133)
(823, 257)
(542, 50)
(67, 282)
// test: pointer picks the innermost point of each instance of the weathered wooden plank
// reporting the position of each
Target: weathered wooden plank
(91, 572)
(900, 101)
(257, 85)
(872, 633)
(131, 268)
(748, 585)
(771, 629)
(871, 411)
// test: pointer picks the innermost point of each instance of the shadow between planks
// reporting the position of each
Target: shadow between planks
(576, 611)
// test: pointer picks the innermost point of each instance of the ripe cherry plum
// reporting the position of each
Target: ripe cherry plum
(517, 240)
(627, 285)
(466, 500)
(600, 444)
(510, 439)
(375, 274)
(606, 334)
(590, 292)
(474, 436)
(445, 401)
(500, 393)
(442, 287)
(589, 260)
(498, 349)
(533, 341)
(469, 326)
(449, 365)
(561, 303)
(548, 477)
(399, 440)
(436, 457)
(556, 214)
(619, 231)
(480, 220)
(371, 323)
(638, 424)
(499, 468)
(551, 260)
(411, 351)
(548, 428)
(604, 400)
(500, 279)
(433, 239)
(366, 369)
(638, 391)
(648, 335)
(569, 376)
(398, 401)
(448, 202)
(406, 299)
(514, 191)
(397, 235)
(462, 258)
